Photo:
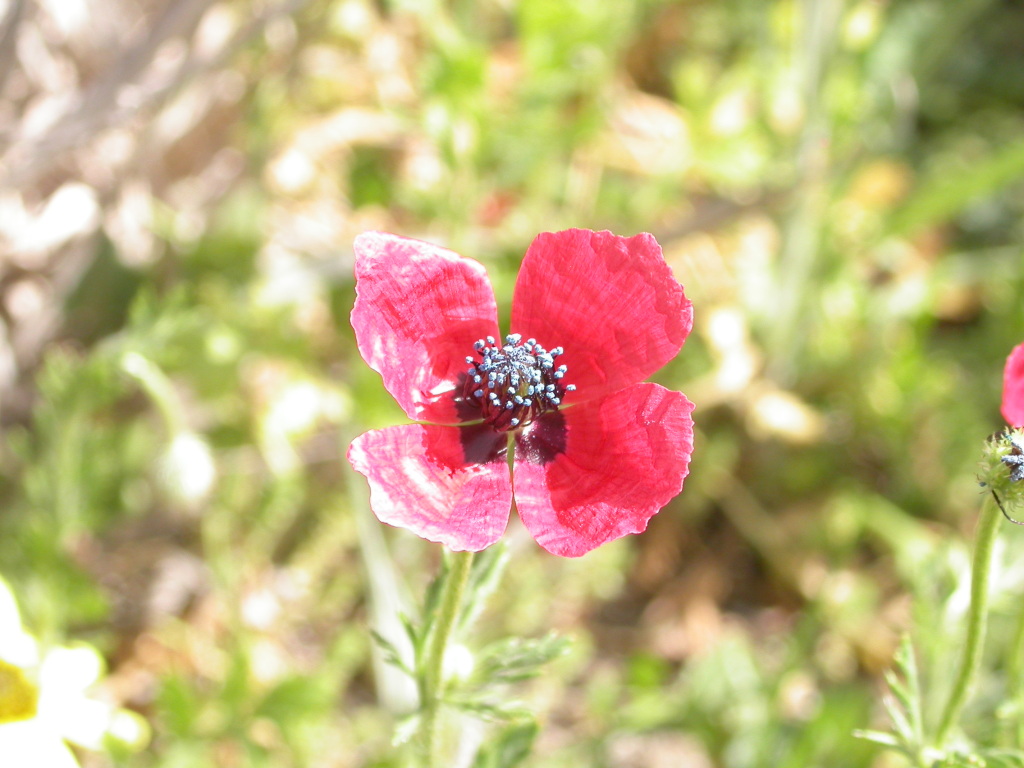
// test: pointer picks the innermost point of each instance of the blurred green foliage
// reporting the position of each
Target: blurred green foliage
(839, 186)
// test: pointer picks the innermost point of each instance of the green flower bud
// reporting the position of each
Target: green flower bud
(1002, 469)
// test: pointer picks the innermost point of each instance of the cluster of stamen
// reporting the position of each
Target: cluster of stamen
(1014, 459)
(516, 382)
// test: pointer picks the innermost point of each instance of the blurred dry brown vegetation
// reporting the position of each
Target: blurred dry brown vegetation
(838, 185)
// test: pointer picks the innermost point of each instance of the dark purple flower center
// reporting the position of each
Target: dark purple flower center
(514, 383)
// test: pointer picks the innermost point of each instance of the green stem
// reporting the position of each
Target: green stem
(977, 617)
(801, 251)
(432, 672)
(158, 387)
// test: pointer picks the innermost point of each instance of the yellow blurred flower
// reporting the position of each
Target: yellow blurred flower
(44, 702)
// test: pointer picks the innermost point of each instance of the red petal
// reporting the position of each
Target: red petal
(446, 484)
(610, 302)
(418, 310)
(592, 473)
(1013, 388)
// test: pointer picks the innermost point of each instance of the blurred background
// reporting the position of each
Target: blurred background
(838, 184)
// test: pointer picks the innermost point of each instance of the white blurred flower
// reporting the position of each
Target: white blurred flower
(458, 662)
(43, 701)
(292, 413)
(187, 470)
(776, 413)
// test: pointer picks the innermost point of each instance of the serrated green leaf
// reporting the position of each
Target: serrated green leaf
(406, 729)
(515, 659)
(1010, 758)
(898, 688)
(504, 712)
(488, 567)
(390, 652)
(509, 748)
(433, 594)
(960, 760)
(880, 737)
(906, 664)
(413, 632)
(899, 720)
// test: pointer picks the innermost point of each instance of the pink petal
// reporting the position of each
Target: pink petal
(1013, 388)
(418, 310)
(602, 469)
(445, 484)
(611, 303)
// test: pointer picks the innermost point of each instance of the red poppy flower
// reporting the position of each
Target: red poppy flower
(596, 452)
(1013, 388)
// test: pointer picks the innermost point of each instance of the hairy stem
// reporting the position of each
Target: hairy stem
(977, 617)
(432, 672)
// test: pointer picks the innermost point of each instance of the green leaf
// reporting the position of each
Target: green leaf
(509, 749)
(946, 194)
(433, 594)
(391, 653)
(998, 758)
(296, 699)
(899, 720)
(488, 567)
(513, 659)
(880, 737)
(506, 712)
(406, 728)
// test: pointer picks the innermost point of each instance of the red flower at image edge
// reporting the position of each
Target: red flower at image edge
(597, 453)
(1013, 388)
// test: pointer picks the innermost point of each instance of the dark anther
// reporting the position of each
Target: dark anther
(1014, 459)
(522, 381)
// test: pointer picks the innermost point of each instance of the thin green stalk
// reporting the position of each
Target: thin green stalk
(977, 617)
(432, 673)
(158, 387)
(802, 226)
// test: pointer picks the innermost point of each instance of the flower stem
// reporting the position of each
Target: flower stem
(977, 617)
(432, 672)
